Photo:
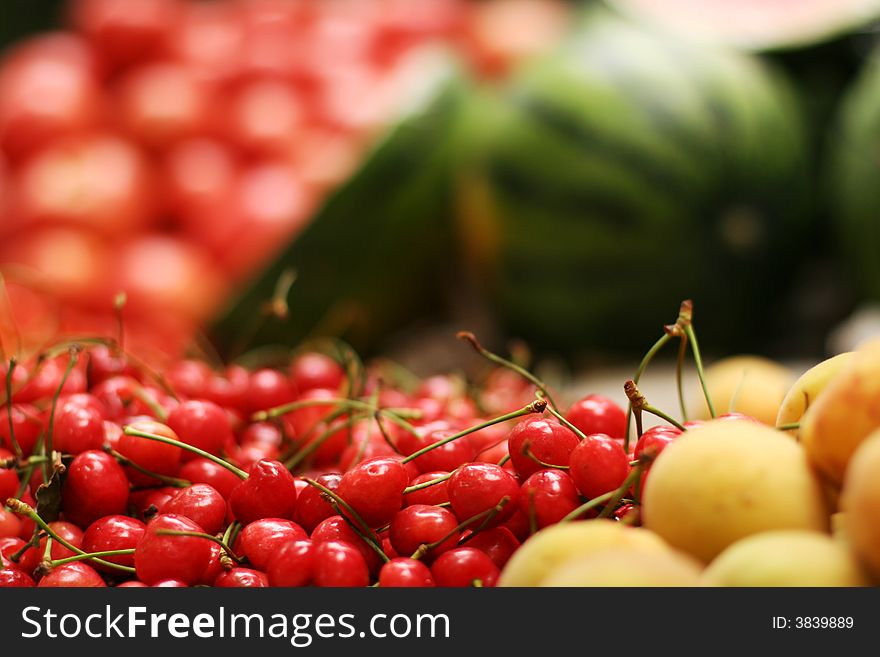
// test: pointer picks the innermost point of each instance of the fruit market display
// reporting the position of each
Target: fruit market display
(168, 148)
(320, 470)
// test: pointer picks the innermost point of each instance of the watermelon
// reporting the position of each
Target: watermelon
(371, 259)
(755, 24)
(853, 172)
(625, 173)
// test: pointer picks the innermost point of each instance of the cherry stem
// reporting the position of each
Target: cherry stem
(698, 361)
(54, 563)
(503, 460)
(337, 502)
(140, 393)
(632, 478)
(536, 406)
(119, 302)
(643, 365)
(396, 415)
(312, 446)
(165, 479)
(74, 350)
(15, 446)
(229, 537)
(527, 452)
(586, 506)
(427, 484)
(791, 426)
(219, 541)
(564, 422)
(486, 516)
(22, 508)
(471, 339)
(679, 372)
(639, 403)
(238, 472)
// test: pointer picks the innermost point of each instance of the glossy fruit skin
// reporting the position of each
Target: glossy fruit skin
(292, 564)
(598, 414)
(446, 457)
(548, 496)
(374, 489)
(338, 564)
(545, 439)
(202, 424)
(159, 557)
(422, 524)
(598, 465)
(311, 507)
(498, 543)
(315, 370)
(405, 572)
(268, 492)
(14, 578)
(77, 427)
(202, 471)
(336, 528)
(261, 539)
(200, 503)
(152, 455)
(240, 577)
(25, 423)
(268, 388)
(436, 494)
(75, 574)
(114, 532)
(476, 488)
(463, 567)
(95, 486)
(8, 483)
(34, 555)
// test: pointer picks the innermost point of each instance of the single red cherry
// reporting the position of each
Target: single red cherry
(630, 513)
(445, 457)
(598, 465)
(77, 426)
(335, 528)
(339, 564)
(420, 525)
(202, 471)
(202, 424)
(435, 494)
(478, 488)
(548, 496)
(316, 370)
(259, 540)
(598, 414)
(74, 574)
(268, 388)
(159, 556)
(11, 577)
(239, 577)
(374, 489)
(146, 503)
(537, 443)
(8, 483)
(464, 566)
(113, 533)
(95, 486)
(170, 583)
(268, 492)
(26, 426)
(152, 455)
(10, 524)
(311, 507)
(498, 543)
(292, 564)
(200, 503)
(405, 572)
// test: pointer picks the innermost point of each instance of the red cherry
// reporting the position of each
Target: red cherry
(598, 414)
(26, 425)
(598, 465)
(292, 564)
(405, 572)
(158, 557)
(113, 533)
(303, 420)
(95, 486)
(263, 433)
(200, 503)
(267, 389)
(10, 525)
(338, 564)
(189, 377)
(74, 574)
(476, 488)
(170, 583)
(104, 363)
(239, 577)
(202, 424)
(152, 455)
(336, 528)
(12, 577)
(463, 567)
(268, 492)
(446, 457)
(436, 494)
(148, 502)
(421, 524)
(498, 543)
(8, 483)
(261, 539)
(315, 370)
(374, 489)
(132, 584)
(545, 439)
(202, 471)
(214, 566)
(77, 427)
(654, 440)
(68, 531)
(548, 496)
(311, 507)
(231, 389)
(629, 512)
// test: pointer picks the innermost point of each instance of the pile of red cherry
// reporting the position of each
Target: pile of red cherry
(321, 472)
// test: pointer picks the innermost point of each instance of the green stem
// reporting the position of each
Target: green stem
(679, 372)
(646, 360)
(130, 431)
(663, 416)
(536, 406)
(15, 446)
(338, 502)
(208, 537)
(698, 361)
(564, 422)
(586, 506)
(633, 477)
(527, 452)
(791, 426)
(471, 339)
(309, 449)
(427, 484)
(176, 482)
(47, 444)
(54, 563)
(486, 516)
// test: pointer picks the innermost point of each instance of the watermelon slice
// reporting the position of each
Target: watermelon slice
(755, 25)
